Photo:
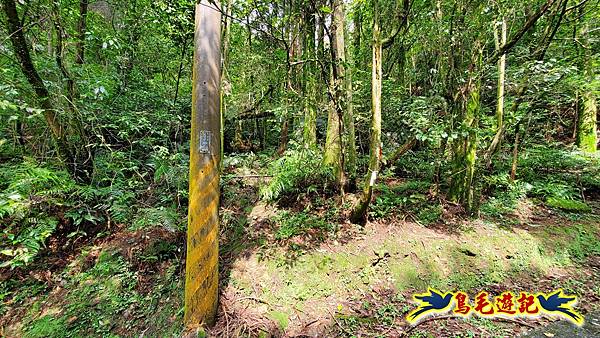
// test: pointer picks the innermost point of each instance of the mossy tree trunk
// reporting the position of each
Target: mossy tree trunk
(359, 214)
(587, 138)
(587, 134)
(465, 149)
(335, 122)
(309, 131)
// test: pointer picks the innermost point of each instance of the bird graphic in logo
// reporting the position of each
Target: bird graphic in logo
(559, 303)
(432, 301)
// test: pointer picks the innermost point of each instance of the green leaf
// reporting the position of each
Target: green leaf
(325, 9)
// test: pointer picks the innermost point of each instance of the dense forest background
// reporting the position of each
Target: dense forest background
(346, 124)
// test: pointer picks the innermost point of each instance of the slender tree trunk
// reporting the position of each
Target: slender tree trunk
(309, 51)
(81, 29)
(538, 55)
(81, 153)
(587, 138)
(310, 115)
(500, 39)
(21, 49)
(202, 268)
(587, 135)
(357, 36)
(333, 145)
(224, 80)
(500, 42)
(284, 136)
(323, 74)
(49, 44)
(181, 61)
(359, 215)
(472, 120)
(500, 133)
(351, 155)
(60, 34)
(333, 142)
(515, 153)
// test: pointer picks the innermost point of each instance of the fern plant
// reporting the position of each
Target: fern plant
(297, 170)
(28, 191)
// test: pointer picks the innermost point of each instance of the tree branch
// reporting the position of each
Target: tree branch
(517, 37)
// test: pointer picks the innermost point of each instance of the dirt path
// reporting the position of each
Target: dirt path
(364, 278)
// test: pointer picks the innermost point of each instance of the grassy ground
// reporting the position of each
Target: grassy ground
(296, 268)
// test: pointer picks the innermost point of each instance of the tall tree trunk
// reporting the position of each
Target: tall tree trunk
(333, 142)
(587, 136)
(465, 149)
(521, 89)
(82, 156)
(587, 139)
(351, 155)
(226, 46)
(500, 42)
(538, 55)
(284, 135)
(333, 145)
(310, 114)
(81, 29)
(359, 215)
(59, 56)
(202, 268)
(357, 36)
(21, 49)
(309, 52)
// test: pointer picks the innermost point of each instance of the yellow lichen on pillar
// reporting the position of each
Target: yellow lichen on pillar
(202, 265)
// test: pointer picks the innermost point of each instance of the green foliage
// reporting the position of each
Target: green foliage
(28, 192)
(388, 314)
(297, 171)
(417, 115)
(550, 174)
(430, 214)
(158, 251)
(585, 242)
(165, 217)
(293, 224)
(416, 165)
(581, 240)
(567, 204)
(103, 297)
(386, 202)
(504, 195)
(133, 99)
(409, 195)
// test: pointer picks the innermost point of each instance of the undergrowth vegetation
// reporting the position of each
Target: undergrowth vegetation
(295, 172)
(366, 150)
